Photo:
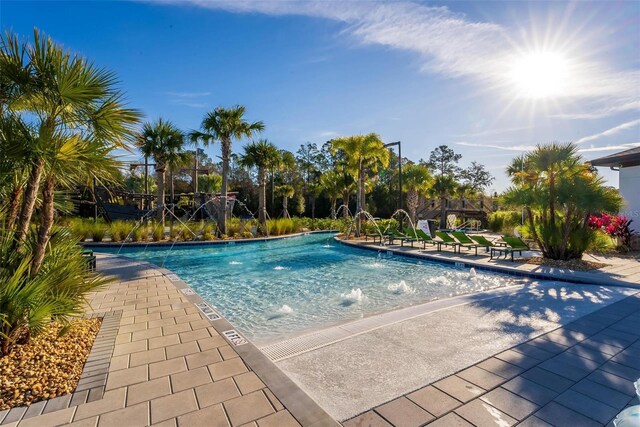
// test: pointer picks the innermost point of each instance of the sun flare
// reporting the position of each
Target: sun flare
(540, 74)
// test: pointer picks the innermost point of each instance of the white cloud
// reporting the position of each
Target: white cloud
(497, 147)
(453, 45)
(612, 131)
(610, 147)
(188, 94)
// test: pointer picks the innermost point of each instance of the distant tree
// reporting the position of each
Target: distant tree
(476, 177)
(225, 125)
(417, 181)
(444, 161)
(300, 207)
(330, 184)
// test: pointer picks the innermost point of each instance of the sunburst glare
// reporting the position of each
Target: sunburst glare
(540, 75)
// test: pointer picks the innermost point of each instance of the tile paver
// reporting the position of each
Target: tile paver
(213, 416)
(248, 408)
(510, 403)
(481, 413)
(434, 401)
(402, 412)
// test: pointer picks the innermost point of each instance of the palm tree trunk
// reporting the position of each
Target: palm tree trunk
(29, 201)
(160, 201)
(412, 204)
(334, 202)
(262, 196)
(345, 204)
(14, 207)
(285, 203)
(359, 199)
(46, 222)
(226, 154)
(443, 211)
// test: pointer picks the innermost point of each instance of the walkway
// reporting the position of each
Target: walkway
(578, 375)
(169, 365)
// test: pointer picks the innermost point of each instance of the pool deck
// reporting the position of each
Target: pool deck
(170, 364)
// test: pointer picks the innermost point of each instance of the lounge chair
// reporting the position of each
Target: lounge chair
(90, 258)
(447, 240)
(513, 244)
(425, 238)
(466, 241)
(374, 236)
(396, 235)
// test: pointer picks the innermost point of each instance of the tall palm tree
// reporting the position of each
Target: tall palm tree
(71, 103)
(417, 182)
(263, 155)
(363, 154)
(163, 141)
(225, 125)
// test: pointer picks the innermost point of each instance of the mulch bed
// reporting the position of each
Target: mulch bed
(574, 264)
(47, 367)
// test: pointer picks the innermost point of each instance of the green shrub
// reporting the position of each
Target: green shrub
(29, 304)
(208, 231)
(80, 228)
(504, 221)
(234, 226)
(120, 230)
(157, 232)
(247, 235)
(602, 242)
(140, 233)
(98, 231)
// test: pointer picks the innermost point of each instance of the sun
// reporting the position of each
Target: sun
(540, 74)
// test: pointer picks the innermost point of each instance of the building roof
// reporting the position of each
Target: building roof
(625, 158)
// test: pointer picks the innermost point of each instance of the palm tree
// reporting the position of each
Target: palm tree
(558, 191)
(224, 125)
(332, 188)
(417, 182)
(70, 104)
(164, 142)
(443, 186)
(263, 155)
(286, 192)
(363, 154)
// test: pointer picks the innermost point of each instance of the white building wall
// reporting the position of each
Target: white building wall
(630, 189)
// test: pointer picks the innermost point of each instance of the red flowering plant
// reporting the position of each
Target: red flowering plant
(614, 226)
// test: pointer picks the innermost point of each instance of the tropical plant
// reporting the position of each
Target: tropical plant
(164, 142)
(417, 182)
(263, 155)
(363, 154)
(78, 116)
(29, 303)
(332, 187)
(286, 192)
(224, 125)
(558, 191)
(618, 227)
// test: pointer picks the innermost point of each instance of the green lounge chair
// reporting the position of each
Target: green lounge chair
(425, 238)
(447, 240)
(90, 258)
(374, 236)
(513, 244)
(466, 241)
(396, 235)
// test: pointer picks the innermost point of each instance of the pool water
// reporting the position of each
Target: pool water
(278, 289)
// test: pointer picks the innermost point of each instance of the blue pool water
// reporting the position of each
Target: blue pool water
(278, 289)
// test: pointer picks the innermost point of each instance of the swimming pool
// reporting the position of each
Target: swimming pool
(273, 290)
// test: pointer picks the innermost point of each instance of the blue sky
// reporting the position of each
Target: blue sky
(489, 79)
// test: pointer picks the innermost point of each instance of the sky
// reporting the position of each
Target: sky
(489, 79)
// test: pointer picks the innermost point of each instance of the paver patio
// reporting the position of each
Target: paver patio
(580, 374)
